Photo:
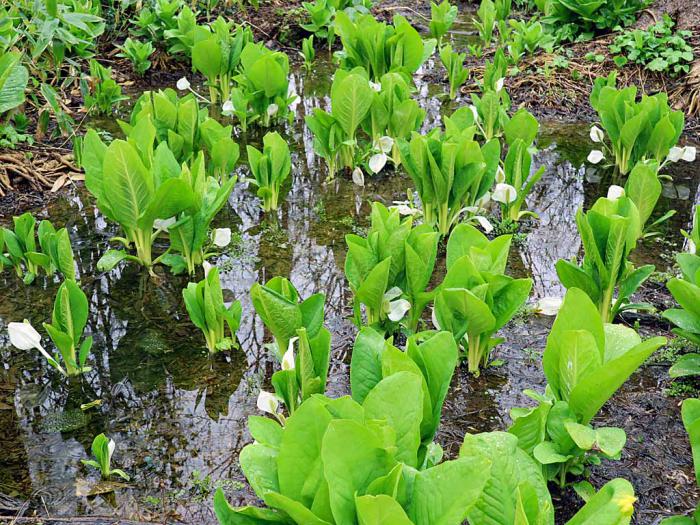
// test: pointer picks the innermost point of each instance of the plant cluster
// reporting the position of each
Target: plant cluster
(303, 470)
(19, 250)
(366, 120)
(381, 48)
(657, 48)
(635, 130)
(582, 19)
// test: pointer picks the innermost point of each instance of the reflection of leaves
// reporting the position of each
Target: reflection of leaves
(220, 383)
(85, 487)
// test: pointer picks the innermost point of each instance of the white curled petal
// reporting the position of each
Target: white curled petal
(183, 84)
(358, 177)
(433, 318)
(595, 156)
(504, 193)
(392, 293)
(377, 162)
(615, 192)
(221, 237)
(267, 402)
(385, 144)
(548, 305)
(288, 357)
(375, 86)
(500, 175)
(397, 309)
(228, 108)
(207, 267)
(675, 154)
(597, 134)
(110, 449)
(484, 223)
(475, 112)
(484, 200)
(23, 335)
(499, 84)
(689, 153)
(272, 109)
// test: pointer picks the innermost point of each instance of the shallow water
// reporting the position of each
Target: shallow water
(178, 415)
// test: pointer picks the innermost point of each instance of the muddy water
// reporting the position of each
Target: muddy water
(178, 415)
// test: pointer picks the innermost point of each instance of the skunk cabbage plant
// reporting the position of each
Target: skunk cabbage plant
(476, 298)
(585, 362)
(208, 312)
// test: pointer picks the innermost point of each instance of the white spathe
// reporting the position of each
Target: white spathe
(595, 156)
(375, 86)
(206, 267)
(395, 308)
(475, 112)
(500, 175)
(221, 237)
(267, 402)
(499, 84)
(484, 223)
(272, 109)
(504, 193)
(385, 144)
(23, 335)
(288, 357)
(597, 134)
(377, 162)
(228, 109)
(110, 450)
(358, 177)
(548, 305)
(615, 192)
(183, 84)
(689, 154)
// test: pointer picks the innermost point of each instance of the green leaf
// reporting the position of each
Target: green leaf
(690, 413)
(687, 365)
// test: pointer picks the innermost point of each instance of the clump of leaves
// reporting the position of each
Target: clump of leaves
(53, 254)
(138, 54)
(101, 93)
(476, 297)
(581, 19)
(442, 16)
(205, 305)
(657, 48)
(270, 168)
(636, 130)
(13, 81)
(585, 362)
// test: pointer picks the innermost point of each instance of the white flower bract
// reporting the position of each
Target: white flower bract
(267, 402)
(597, 134)
(595, 156)
(504, 193)
(377, 162)
(358, 177)
(221, 237)
(183, 84)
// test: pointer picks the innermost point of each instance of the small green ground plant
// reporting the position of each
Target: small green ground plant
(102, 451)
(657, 48)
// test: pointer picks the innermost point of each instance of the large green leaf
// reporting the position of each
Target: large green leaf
(13, 81)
